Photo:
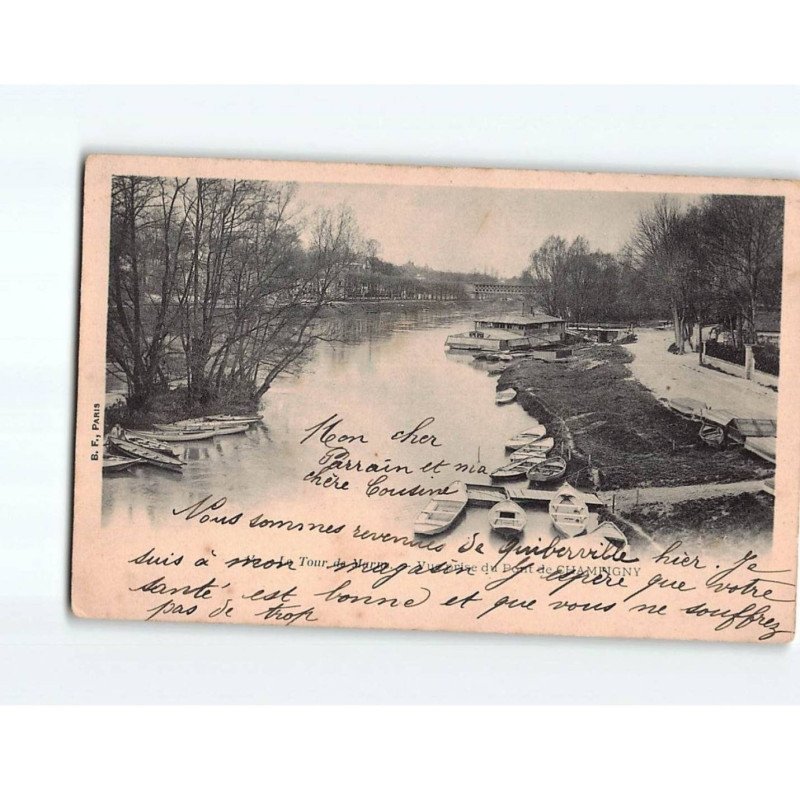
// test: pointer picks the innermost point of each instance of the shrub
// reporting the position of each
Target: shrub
(725, 352)
(767, 359)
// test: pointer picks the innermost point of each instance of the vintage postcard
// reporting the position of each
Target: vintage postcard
(478, 400)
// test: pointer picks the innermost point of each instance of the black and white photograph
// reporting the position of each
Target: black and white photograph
(593, 365)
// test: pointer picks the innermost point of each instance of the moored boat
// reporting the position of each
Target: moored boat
(112, 463)
(507, 519)
(482, 494)
(687, 407)
(569, 511)
(133, 450)
(527, 436)
(177, 435)
(505, 396)
(538, 447)
(188, 434)
(761, 446)
(201, 425)
(250, 419)
(550, 469)
(148, 442)
(611, 533)
(442, 512)
(712, 435)
(514, 470)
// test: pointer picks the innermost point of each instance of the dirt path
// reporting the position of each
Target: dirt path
(668, 375)
(625, 499)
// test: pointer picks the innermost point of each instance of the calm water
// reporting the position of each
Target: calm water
(392, 373)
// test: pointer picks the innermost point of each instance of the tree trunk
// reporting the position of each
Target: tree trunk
(677, 328)
(700, 340)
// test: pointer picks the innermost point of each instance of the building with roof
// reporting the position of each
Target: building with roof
(515, 331)
(542, 326)
(768, 327)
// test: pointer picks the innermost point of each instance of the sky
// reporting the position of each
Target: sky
(474, 228)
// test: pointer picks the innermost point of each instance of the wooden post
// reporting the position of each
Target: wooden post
(749, 362)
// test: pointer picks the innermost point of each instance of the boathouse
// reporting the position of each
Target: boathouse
(519, 331)
(549, 330)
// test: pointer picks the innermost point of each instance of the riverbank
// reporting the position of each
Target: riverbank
(171, 406)
(743, 520)
(670, 375)
(618, 435)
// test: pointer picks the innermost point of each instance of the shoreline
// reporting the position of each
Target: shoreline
(171, 405)
(645, 447)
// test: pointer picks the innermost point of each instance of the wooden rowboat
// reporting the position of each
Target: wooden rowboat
(176, 435)
(149, 443)
(527, 436)
(507, 519)
(712, 435)
(514, 470)
(541, 447)
(611, 533)
(129, 448)
(250, 419)
(442, 512)
(190, 434)
(549, 470)
(506, 396)
(113, 463)
(569, 511)
(201, 425)
(482, 494)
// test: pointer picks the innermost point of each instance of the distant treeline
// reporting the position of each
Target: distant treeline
(716, 261)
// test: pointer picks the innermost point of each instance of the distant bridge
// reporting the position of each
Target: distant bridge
(486, 291)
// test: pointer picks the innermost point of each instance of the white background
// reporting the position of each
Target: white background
(46, 655)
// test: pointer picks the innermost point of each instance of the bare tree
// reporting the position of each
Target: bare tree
(546, 272)
(743, 243)
(658, 246)
(148, 228)
(286, 328)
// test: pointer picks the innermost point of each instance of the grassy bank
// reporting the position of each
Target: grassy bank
(743, 520)
(619, 435)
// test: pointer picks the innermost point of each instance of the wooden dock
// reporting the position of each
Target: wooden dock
(480, 494)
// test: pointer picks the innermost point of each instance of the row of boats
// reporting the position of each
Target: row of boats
(129, 448)
(720, 428)
(568, 509)
(528, 457)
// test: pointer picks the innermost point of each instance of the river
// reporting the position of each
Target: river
(391, 373)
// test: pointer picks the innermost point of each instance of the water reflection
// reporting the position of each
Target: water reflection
(386, 372)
